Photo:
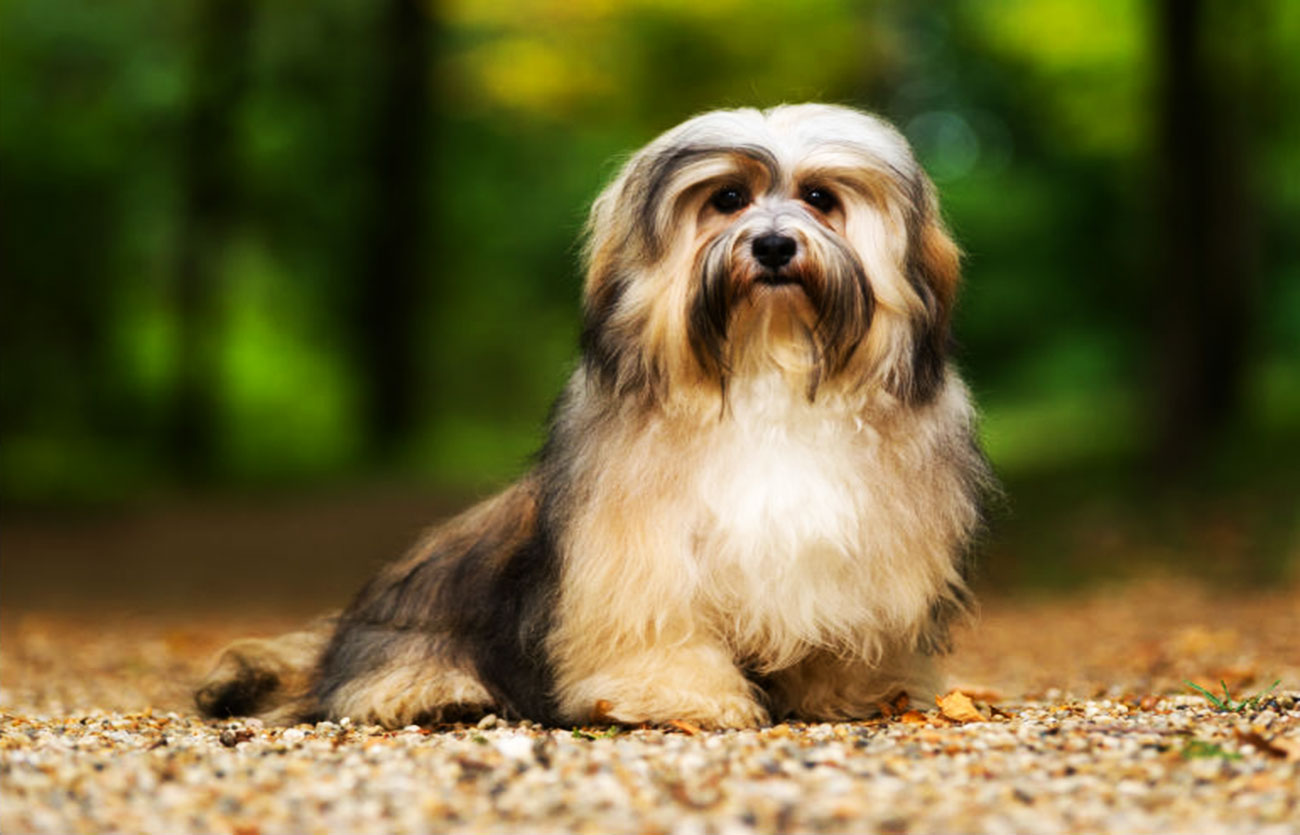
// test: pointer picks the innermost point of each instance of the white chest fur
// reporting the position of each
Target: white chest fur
(813, 531)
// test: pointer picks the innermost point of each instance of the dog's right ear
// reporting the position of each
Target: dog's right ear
(934, 271)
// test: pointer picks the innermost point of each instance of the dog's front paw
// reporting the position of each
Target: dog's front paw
(699, 685)
(667, 705)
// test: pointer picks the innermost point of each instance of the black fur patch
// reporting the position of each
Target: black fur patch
(469, 604)
(243, 695)
(710, 308)
(936, 638)
(845, 305)
(504, 628)
(615, 363)
(931, 338)
(666, 165)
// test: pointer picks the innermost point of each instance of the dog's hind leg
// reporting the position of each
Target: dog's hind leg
(270, 678)
(413, 646)
(394, 679)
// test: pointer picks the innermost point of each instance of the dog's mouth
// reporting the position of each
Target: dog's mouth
(779, 278)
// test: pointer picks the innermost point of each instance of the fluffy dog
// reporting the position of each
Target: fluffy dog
(759, 487)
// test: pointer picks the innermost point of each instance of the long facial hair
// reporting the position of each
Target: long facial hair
(826, 291)
(674, 296)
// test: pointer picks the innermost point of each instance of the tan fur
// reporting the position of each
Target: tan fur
(707, 559)
(279, 667)
(788, 530)
(410, 689)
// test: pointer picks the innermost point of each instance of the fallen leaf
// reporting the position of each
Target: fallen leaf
(600, 712)
(894, 706)
(1261, 744)
(685, 727)
(913, 717)
(979, 694)
(958, 707)
(1281, 748)
(1290, 747)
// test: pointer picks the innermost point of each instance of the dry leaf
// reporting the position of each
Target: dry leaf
(1281, 748)
(1289, 747)
(913, 717)
(958, 707)
(600, 713)
(685, 727)
(997, 711)
(1259, 743)
(894, 706)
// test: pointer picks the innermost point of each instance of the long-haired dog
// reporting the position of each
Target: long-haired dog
(759, 487)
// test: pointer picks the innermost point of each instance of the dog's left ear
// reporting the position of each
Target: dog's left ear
(934, 270)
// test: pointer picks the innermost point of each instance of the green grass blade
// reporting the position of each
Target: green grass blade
(1214, 700)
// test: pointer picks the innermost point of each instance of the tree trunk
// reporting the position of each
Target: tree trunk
(208, 176)
(391, 272)
(1208, 251)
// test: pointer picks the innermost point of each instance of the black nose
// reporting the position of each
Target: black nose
(774, 251)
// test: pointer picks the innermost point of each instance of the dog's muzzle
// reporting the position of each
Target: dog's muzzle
(774, 252)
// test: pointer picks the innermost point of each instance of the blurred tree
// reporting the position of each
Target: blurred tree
(281, 186)
(391, 279)
(209, 178)
(1209, 253)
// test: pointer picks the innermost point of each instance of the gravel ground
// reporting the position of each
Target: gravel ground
(1082, 722)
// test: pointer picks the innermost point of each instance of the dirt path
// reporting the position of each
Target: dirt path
(1089, 728)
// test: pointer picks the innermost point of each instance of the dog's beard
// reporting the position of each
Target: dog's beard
(822, 301)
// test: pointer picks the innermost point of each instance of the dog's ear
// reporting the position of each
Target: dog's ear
(939, 261)
(934, 270)
(612, 350)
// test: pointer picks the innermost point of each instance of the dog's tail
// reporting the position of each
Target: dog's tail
(269, 678)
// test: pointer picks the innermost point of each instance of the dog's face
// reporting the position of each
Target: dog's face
(803, 237)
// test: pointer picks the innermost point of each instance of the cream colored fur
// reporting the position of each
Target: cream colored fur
(784, 532)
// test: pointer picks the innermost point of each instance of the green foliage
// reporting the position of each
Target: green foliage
(1197, 749)
(1036, 118)
(1227, 705)
(607, 733)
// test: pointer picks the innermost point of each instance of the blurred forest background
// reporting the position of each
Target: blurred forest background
(283, 281)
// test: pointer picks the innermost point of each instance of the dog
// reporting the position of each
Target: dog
(759, 489)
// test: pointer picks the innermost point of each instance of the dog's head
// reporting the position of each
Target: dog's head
(804, 236)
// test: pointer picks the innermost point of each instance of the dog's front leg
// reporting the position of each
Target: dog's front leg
(629, 641)
(695, 681)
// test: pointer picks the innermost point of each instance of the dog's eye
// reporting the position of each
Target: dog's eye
(820, 199)
(729, 199)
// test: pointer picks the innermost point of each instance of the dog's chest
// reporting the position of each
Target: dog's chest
(786, 487)
(805, 535)
(782, 489)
